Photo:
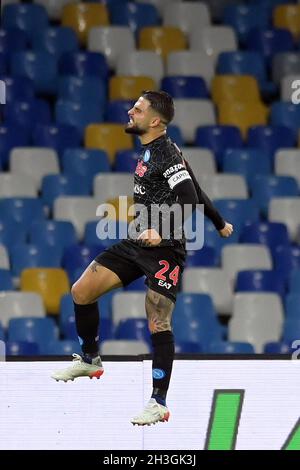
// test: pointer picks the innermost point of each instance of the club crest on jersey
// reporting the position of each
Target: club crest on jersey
(146, 156)
(140, 169)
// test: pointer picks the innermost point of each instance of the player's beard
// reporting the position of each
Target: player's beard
(134, 129)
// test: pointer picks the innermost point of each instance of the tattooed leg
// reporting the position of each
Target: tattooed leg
(159, 312)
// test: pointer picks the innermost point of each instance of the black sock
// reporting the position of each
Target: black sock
(163, 355)
(87, 325)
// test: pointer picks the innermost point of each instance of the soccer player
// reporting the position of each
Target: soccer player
(162, 177)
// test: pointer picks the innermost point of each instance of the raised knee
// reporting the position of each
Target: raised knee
(80, 294)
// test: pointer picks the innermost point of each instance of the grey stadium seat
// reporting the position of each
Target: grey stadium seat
(124, 347)
(20, 304)
(128, 305)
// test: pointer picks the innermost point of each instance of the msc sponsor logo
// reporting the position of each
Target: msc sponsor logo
(139, 189)
(173, 169)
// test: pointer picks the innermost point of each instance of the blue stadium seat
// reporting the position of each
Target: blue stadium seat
(2, 333)
(195, 320)
(175, 134)
(294, 282)
(239, 212)
(21, 348)
(291, 330)
(133, 328)
(78, 257)
(260, 281)
(138, 284)
(286, 114)
(77, 114)
(185, 87)
(54, 186)
(30, 256)
(218, 139)
(18, 89)
(3, 63)
(56, 41)
(28, 17)
(58, 233)
(25, 211)
(83, 64)
(11, 233)
(277, 348)
(246, 63)
(212, 237)
(40, 67)
(85, 163)
(11, 136)
(271, 138)
(243, 18)
(230, 347)
(117, 111)
(65, 347)
(205, 257)
(27, 114)
(134, 15)
(91, 238)
(248, 162)
(12, 40)
(272, 234)
(6, 282)
(126, 161)
(82, 89)
(182, 347)
(286, 259)
(269, 42)
(292, 305)
(33, 330)
(59, 137)
(263, 188)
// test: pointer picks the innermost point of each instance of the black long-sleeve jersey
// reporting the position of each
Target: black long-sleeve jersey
(160, 171)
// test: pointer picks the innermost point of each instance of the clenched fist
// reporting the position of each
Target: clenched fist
(226, 231)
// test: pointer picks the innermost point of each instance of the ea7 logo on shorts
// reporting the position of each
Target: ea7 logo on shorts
(140, 169)
(165, 284)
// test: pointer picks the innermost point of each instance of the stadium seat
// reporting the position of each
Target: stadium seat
(162, 39)
(248, 162)
(16, 185)
(287, 211)
(271, 138)
(83, 64)
(218, 139)
(11, 136)
(291, 331)
(52, 232)
(54, 7)
(117, 111)
(201, 160)
(175, 134)
(113, 231)
(286, 259)
(27, 114)
(233, 88)
(50, 283)
(128, 305)
(85, 163)
(32, 330)
(133, 15)
(18, 88)
(212, 40)
(141, 63)
(190, 64)
(257, 319)
(230, 347)
(187, 16)
(57, 137)
(287, 162)
(112, 185)
(20, 304)
(65, 347)
(6, 280)
(212, 237)
(276, 347)
(81, 17)
(269, 42)
(30, 256)
(77, 257)
(108, 137)
(24, 211)
(137, 285)
(124, 347)
(272, 234)
(126, 161)
(192, 113)
(240, 212)
(185, 87)
(285, 64)
(56, 41)
(212, 281)
(294, 281)
(112, 41)
(77, 210)
(260, 281)
(28, 17)
(128, 87)
(39, 66)
(287, 17)
(243, 18)
(21, 348)
(34, 162)
(12, 40)
(82, 89)
(224, 185)
(206, 256)
(76, 114)
(292, 304)
(186, 347)
(237, 257)
(133, 328)
(286, 114)
(3, 63)
(242, 115)
(194, 319)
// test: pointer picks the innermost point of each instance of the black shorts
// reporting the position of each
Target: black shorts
(163, 266)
